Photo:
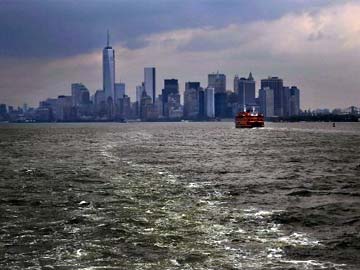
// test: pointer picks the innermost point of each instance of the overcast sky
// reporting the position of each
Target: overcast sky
(314, 44)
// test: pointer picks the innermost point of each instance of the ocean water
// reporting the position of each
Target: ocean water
(179, 196)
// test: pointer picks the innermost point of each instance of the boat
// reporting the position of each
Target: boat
(249, 119)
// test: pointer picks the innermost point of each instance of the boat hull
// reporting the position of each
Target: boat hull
(248, 120)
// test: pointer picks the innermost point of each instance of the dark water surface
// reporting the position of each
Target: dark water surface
(179, 196)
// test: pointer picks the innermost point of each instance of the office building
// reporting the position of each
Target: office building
(245, 91)
(276, 84)
(108, 72)
(220, 105)
(119, 91)
(286, 102)
(171, 86)
(210, 102)
(80, 94)
(201, 103)
(139, 92)
(175, 110)
(218, 82)
(3, 109)
(64, 108)
(294, 101)
(191, 100)
(150, 82)
(266, 101)
(236, 83)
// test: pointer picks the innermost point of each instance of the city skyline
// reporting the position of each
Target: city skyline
(319, 53)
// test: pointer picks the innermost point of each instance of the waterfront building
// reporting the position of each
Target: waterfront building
(148, 111)
(246, 92)
(123, 108)
(286, 102)
(159, 106)
(233, 104)
(3, 109)
(220, 105)
(218, 82)
(175, 110)
(201, 103)
(277, 85)
(266, 101)
(64, 108)
(119, 91)
(108, 72)
(150, 82)
(236, 83)
(171, 86)
(291, 101)
(99, 103)
(210, 102)
(191, 100)
(43, 114)
(139, 92)
(294, 101)
(80, 94)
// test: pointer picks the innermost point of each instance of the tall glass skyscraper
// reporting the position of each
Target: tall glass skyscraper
(150, 82)
(108, 71)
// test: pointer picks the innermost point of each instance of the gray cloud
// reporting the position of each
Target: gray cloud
(54, 29)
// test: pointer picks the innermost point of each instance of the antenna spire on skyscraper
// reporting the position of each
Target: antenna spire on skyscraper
(108, 38)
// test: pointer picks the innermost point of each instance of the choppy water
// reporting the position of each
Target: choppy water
(179, 196)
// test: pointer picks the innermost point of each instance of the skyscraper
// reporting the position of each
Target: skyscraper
(210, 102)
(236, 83)
(150, 82)
(191, 100)
(246, 91)
(79, 93)
(119, 91)
(218, 82)
(266, 100)
(286, 101)
(171, 86)
(277, 85)
(139, 92)
(294, 101)
(108, 71)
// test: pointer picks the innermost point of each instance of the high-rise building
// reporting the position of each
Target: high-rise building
(286, 102)
(266, 100)
(291, 101)
(108, 71)
(218, 82)
(246, 91)
(221, 105)
(191, 100)
(99, 102)
(150, 82)
(210, 102)
(175, 110)
(64, 108)
(294, 101)
(119, 91)
(277, 85)
(171, 86)
(236, 83)
(201, 103)
(79, 94)
(3, 109)
(139, 92)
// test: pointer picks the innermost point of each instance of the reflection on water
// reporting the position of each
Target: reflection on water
(179, 196)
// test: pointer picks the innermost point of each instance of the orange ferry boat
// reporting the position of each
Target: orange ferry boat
(249, 120)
